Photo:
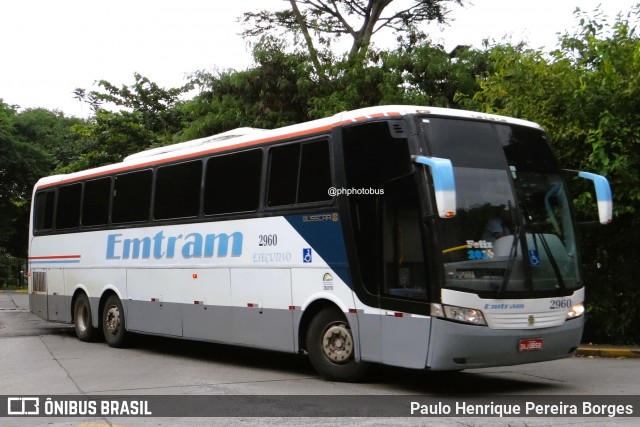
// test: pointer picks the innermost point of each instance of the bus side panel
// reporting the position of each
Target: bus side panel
(93, 281)
(405, 339)
(261, 316)
(370, 333)
(57, 304)
(153, 304)
(38, 302)
(206, 300)
(393, 338)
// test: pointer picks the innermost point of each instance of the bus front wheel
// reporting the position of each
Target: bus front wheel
(331, 347)
(113, 325)
(82, 318)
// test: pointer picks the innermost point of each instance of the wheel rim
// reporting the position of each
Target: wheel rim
(81, 317)
(112, 320)
(337, 343)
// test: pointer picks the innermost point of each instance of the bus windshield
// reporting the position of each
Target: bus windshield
(513, 231)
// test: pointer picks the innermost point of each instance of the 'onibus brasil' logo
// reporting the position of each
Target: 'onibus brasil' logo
(193, 245)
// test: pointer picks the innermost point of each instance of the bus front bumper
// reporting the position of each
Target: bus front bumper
(457, 346)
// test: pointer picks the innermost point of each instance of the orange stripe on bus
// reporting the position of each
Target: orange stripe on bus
(56, 257)
(252, 143)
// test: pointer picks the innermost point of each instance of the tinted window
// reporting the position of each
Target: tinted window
(68, 211)
(233, 183)
(315, 173)
(95, 206)
(132, 197)
(467, 143)
(299, 173)
(283, 174)
(178, 191)
(44, 210)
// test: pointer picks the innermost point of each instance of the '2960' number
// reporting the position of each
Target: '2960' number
(268, 240)
(557, 304)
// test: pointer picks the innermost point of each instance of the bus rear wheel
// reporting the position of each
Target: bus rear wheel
(82, 318)
(113, 323)
(331, 347)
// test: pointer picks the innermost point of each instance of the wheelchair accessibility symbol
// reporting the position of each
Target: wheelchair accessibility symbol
(306, 255)
(534, 260)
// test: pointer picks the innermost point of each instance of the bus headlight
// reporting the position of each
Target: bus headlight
(458, 314)
(576, 310)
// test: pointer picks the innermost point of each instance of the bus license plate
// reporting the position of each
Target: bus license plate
(532, 344)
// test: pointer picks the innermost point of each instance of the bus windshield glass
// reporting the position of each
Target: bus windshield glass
(513, 232)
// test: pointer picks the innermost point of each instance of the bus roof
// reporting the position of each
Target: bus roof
(247, 137)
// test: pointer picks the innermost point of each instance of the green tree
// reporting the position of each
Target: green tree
(281, 89)
(319, 21)
(271, 94)
(52, 132)
(21, 164)
(145, 116)
(426, 74)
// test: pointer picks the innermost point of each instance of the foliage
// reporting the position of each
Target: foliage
(52, 132)
(271, 94)
(283, 89)
(358, 19)
(148, 116)
(21, 164)
(12, 270)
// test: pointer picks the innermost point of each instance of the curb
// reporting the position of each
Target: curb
(611, 352)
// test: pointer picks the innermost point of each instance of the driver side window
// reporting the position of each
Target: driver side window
(402, 249)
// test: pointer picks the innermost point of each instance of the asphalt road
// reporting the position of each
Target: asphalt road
(41, 358)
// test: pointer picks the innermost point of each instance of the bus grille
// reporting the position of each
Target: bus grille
(39, 281)
(524, 321)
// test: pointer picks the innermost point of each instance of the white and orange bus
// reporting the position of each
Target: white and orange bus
(418, 237)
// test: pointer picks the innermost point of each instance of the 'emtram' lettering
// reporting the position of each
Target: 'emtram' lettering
(193, 245)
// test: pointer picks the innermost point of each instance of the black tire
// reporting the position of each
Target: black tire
(82, 318)
(113, 322)
(331, 347)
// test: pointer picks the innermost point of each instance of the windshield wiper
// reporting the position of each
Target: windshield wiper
(552, 259)
(513, 253)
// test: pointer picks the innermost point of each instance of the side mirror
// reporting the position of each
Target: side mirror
(603, 196)
(443, 182)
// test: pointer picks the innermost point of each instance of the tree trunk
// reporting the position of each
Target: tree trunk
(313, 54)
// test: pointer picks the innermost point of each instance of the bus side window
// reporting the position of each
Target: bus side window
(299, 173)
(403, 253)
(177, 192)
(68, 208)
(95, 204)
(132, 197)
(284, 163)
(44, 210)
(315, 172)
(232, 183)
